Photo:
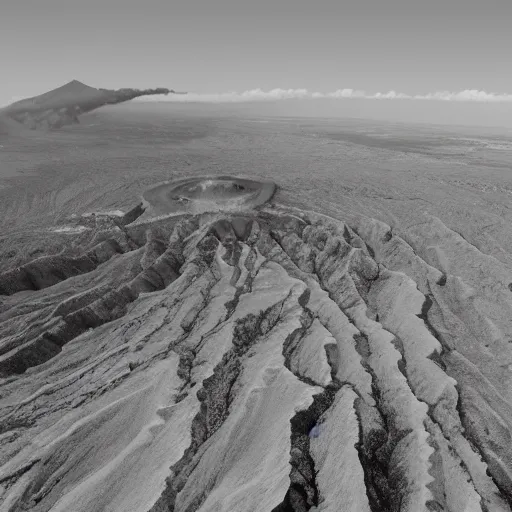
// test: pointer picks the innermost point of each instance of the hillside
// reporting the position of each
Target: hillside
(63, 105)
(236, 356)
(171, 341)
(9, 126)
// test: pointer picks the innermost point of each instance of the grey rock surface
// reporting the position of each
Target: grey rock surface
(265, 359)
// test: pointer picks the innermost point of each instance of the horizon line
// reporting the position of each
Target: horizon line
(251, 95)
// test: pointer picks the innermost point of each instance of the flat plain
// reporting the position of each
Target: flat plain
(393, 172)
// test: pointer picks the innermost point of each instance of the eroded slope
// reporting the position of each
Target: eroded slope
(271, 360)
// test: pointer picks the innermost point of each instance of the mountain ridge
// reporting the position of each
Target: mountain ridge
(184, 355)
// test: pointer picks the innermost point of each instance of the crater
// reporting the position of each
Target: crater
(204, 194)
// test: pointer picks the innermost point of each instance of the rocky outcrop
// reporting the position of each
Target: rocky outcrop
(49, 270)
(270, 360)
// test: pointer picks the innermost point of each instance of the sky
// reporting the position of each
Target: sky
(412, 47)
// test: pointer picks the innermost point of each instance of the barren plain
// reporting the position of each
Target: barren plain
(345, 344)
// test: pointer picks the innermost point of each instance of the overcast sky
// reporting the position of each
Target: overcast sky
(213, 46)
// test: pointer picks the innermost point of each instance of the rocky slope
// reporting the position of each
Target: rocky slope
(265, 359)
(63, 105)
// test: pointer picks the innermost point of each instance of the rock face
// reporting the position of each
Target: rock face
(269, 360)
(63, 105)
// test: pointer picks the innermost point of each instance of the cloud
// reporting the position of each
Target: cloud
(467, 95)
(255, 95)
(235, 97)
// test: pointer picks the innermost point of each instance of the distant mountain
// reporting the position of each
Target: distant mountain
(63, 105)
(72, 94)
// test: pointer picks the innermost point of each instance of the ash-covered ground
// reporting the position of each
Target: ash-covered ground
(171, 340)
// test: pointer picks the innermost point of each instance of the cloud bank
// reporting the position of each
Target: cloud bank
(467, 95)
